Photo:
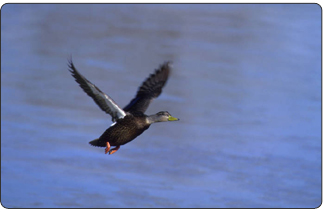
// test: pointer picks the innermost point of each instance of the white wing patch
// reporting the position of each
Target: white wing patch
(110, 105)
(113, 124)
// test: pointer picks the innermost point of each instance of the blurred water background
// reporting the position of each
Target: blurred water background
(246, 85)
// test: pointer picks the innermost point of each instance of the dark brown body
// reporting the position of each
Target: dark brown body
(124, 131)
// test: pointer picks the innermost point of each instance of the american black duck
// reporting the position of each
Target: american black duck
(130, 121)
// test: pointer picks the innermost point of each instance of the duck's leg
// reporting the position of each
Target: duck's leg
(114, 150)
(107, 148)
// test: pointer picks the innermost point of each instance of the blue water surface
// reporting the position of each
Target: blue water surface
(246, 85)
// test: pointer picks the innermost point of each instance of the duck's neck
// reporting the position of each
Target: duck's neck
(153, 118)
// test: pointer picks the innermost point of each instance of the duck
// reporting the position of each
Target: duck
(131, 121)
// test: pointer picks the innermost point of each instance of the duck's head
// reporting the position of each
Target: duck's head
(166, 116)
(161, 117)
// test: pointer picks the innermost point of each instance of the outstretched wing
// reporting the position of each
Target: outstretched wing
(106, 103)
(150, 89)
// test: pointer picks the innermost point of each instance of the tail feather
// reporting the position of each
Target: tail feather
(97, 142)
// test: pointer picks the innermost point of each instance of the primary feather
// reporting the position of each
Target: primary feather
(150, 89)
(105, 102)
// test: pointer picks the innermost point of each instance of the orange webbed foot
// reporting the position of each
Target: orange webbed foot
(114, 150)
(107, 148)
